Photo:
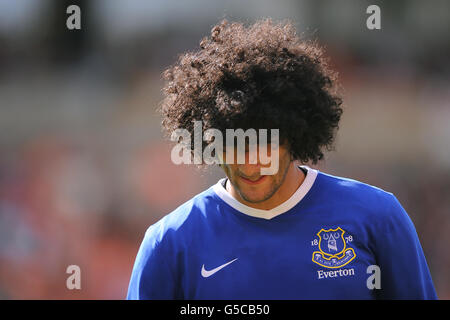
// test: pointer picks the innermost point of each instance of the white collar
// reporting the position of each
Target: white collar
(269, 214)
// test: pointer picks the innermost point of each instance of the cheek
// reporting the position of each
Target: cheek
(285, 161)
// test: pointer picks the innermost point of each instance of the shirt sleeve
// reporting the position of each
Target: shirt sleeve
(403, 268)
(152, 277)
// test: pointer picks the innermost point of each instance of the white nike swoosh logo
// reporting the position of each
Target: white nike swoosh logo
(208, 273)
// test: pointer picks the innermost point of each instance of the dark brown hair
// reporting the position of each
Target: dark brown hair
(260, 76)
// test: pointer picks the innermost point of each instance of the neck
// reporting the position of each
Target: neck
(293, 180)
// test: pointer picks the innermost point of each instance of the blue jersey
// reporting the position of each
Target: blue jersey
(335, 238)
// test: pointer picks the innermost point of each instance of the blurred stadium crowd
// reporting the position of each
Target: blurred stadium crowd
(84, 169)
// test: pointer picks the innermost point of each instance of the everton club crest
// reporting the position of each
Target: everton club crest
(333, 252)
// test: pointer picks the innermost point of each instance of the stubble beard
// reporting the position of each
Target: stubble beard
(274, 188)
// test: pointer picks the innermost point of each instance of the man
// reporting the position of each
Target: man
(296, 234)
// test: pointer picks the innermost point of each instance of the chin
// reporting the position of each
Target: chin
(254, 198)
(255, 194)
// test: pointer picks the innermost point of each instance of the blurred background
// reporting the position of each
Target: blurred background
(84, 168)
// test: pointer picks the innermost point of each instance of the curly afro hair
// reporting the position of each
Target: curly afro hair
(260, 76)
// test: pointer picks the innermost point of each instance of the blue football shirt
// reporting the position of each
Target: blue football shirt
(335, 238)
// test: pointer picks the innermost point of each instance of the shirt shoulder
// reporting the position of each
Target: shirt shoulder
(180, 222)
(369, 200)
